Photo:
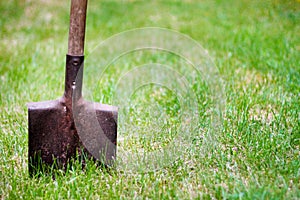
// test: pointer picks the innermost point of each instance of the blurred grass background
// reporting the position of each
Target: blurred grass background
(254, 44)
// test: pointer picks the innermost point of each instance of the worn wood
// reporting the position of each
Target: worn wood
(77, 27)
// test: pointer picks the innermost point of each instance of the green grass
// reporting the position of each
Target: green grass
(254, 44)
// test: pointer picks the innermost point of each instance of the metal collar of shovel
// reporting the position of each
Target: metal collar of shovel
(70, 127)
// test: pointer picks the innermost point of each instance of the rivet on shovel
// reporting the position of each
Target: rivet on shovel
(70, 127)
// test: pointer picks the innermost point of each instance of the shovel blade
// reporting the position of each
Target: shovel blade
(57, 135)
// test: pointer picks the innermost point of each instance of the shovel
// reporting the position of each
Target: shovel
(71, 128)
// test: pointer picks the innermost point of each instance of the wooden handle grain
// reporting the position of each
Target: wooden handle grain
(77, 27)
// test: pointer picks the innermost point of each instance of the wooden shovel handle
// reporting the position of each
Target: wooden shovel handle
(77, 27)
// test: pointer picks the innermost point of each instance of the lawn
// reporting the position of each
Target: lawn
(244, 144)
